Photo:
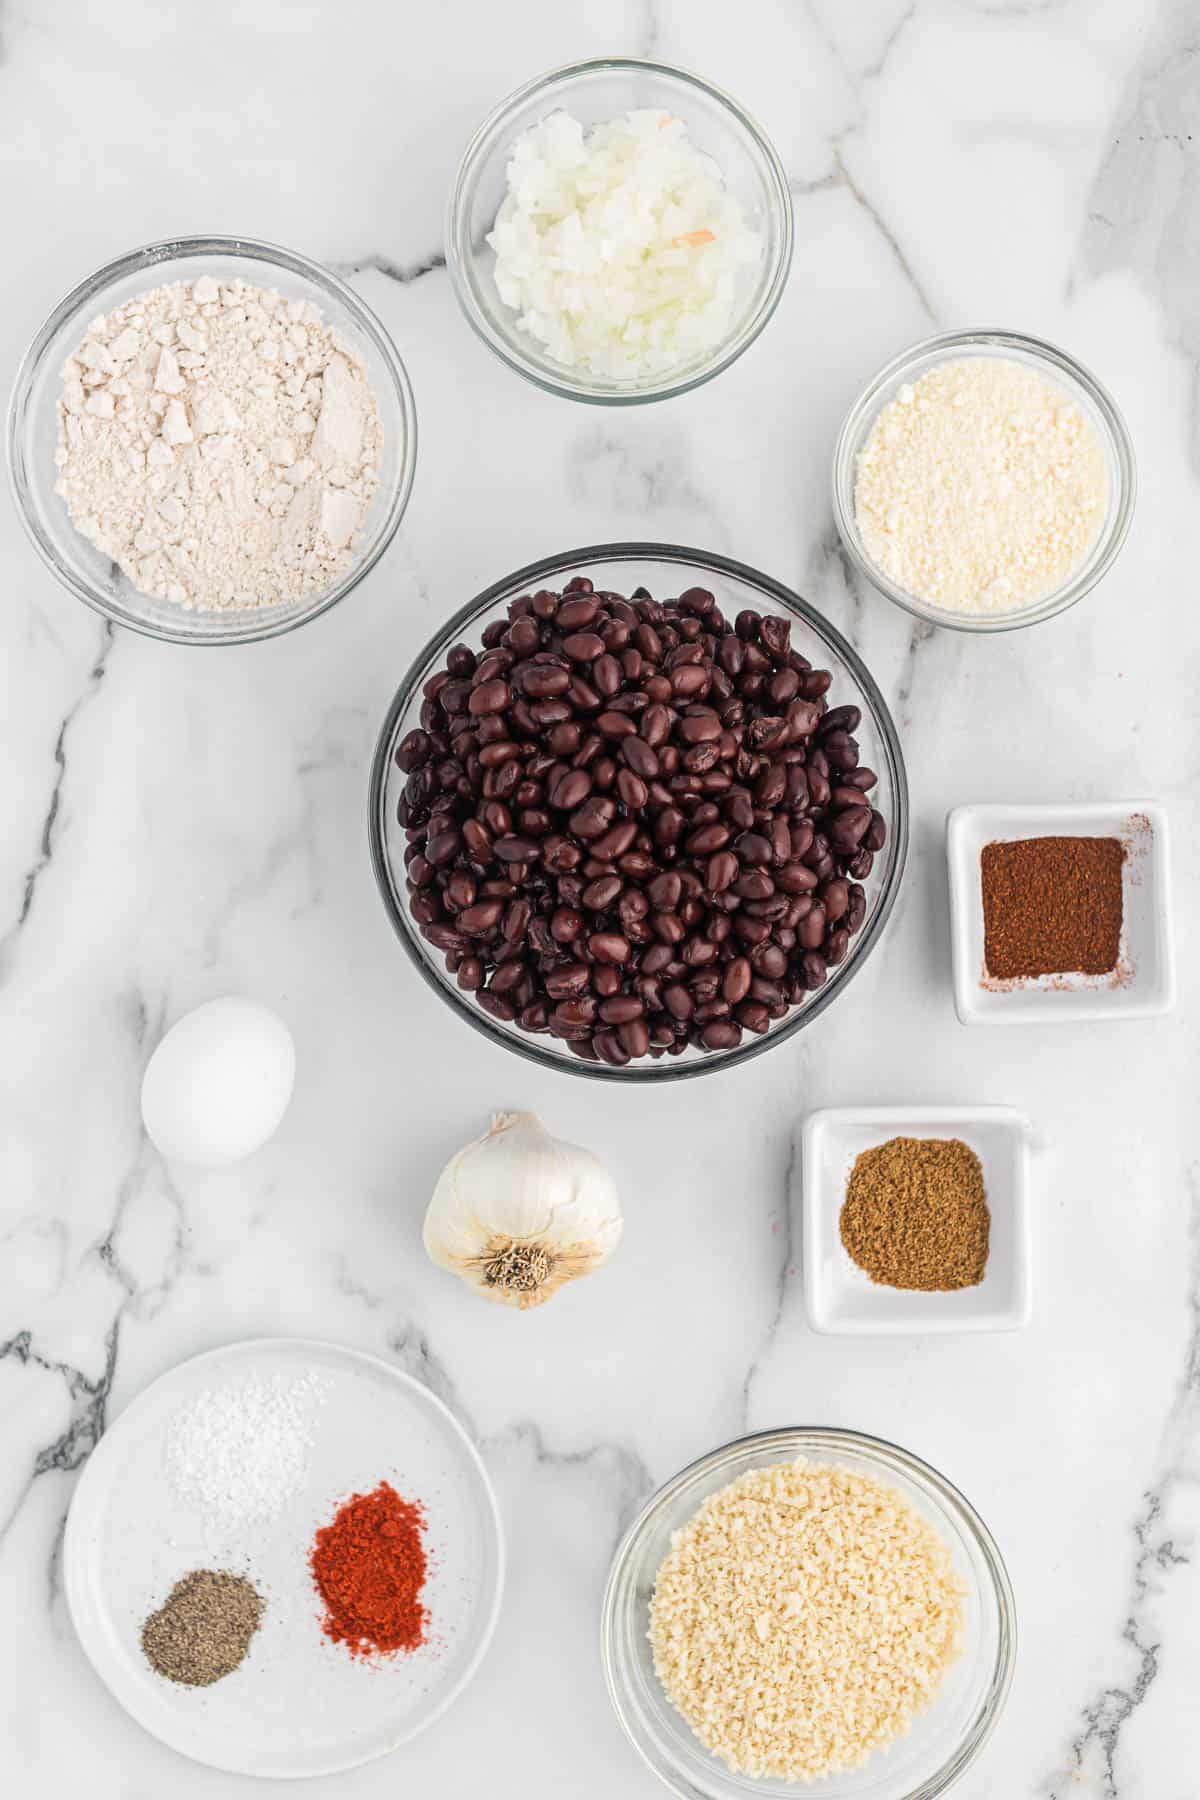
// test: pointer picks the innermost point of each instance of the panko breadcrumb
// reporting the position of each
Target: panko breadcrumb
(803, 1618)
(981, 487)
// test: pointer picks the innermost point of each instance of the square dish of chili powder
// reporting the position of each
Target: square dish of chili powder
(1060, 913)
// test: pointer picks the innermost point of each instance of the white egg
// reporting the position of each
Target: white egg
(219, 1083)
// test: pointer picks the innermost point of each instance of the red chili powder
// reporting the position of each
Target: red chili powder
(1051, 906)
(369, 1567)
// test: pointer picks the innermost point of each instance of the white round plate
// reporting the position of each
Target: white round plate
(299, 1704)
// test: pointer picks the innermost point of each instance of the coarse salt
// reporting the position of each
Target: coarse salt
(981, 487)
(240, 1452)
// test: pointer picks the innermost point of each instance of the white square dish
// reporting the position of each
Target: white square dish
(1143, 982)
(840, 1296)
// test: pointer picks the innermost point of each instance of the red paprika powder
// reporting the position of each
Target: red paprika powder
(369, 1566)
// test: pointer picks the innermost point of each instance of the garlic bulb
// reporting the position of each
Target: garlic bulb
(518, 1213)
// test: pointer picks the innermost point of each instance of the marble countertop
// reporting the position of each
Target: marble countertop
(176, 826)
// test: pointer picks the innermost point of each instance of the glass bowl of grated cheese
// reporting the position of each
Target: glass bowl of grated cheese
(244, 425)
(619, 231)
(855, 1556)
(984, 480)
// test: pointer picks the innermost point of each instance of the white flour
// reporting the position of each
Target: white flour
(220, 443)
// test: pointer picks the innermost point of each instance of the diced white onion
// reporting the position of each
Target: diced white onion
(596, 248)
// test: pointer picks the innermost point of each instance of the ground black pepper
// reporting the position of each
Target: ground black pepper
(1052, 906)
(203, 1630)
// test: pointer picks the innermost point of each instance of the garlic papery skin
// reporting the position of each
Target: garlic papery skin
(519, 1213)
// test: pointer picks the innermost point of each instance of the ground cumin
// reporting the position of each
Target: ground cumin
(1051, 906)
(916, 1214)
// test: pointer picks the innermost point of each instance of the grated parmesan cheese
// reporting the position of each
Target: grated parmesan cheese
(981, 487)
(803, 1618)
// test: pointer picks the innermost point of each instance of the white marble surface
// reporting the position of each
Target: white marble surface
(180, 825)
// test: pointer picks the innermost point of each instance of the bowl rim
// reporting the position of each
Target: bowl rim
(1057, 362)
(709, 562)
(162, 253)
(893, 1458)
(506, 348)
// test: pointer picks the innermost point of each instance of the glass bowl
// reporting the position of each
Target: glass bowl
(943, 1742)
(666, 570)
(593, 92)
(33, 428)
(1093, 400)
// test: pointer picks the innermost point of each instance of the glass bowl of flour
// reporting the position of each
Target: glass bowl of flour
(211, 440)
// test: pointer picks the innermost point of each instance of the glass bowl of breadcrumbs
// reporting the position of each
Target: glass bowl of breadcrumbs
(808, 1605)
(984, 480)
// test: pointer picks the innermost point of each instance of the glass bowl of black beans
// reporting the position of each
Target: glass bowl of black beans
(638, 812)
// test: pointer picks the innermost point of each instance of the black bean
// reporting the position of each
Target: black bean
(470, 973)
(752, 848)
(413, 751)
(608, 947)
(599, 895)
(443, 846)
(514, 849)
(569, 980)
(489, 697)
(570, 789)
(841, 718)
(641, 757)
(496, 1005)
(678, 1001)
(700, 726)
(515, 922)
(722, 871)
(795, 878)
(814, 969)
(610, 1049)
(541, 681)
(615, 841)
(735, 983)
(836, 946)
(633, 826)
(485, 916)
(593, 818)
(583, 646)
(576, 613)
(706, 839)
(666, 890)
(835, 898)
(811, 930)
(848, 828)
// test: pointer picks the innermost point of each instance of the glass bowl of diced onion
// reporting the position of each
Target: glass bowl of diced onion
(595, 93)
